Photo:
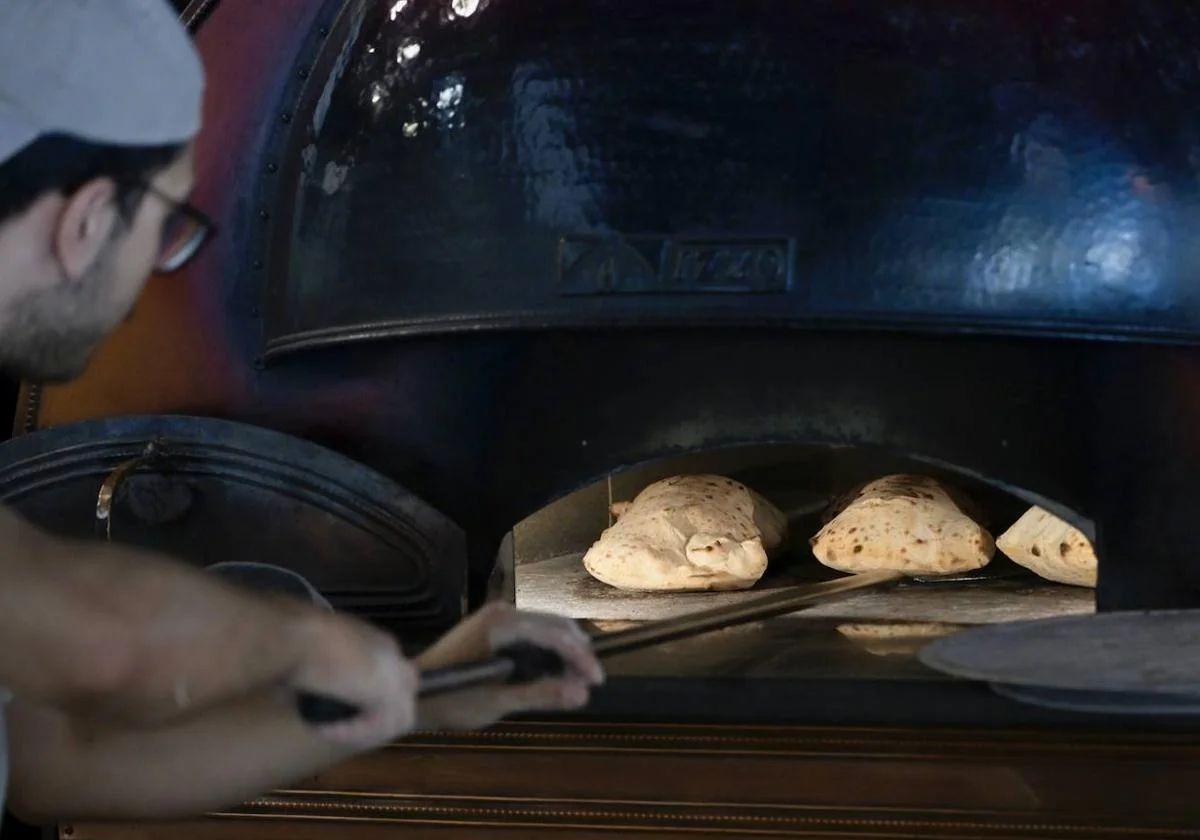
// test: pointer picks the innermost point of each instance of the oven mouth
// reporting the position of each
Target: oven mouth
(873, 634)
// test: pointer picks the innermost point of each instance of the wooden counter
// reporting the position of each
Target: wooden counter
(599, 780)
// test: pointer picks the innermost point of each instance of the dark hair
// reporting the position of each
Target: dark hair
(62, 163)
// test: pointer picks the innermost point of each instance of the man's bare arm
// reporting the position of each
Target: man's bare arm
(108, 631)
(62, 768)
(70, 769)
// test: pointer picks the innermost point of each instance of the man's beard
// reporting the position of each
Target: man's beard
(49, 334)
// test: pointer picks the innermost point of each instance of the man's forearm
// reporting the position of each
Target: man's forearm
(112, 631)
(62, 769)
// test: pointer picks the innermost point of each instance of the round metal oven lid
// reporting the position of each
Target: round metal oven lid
(1102, 702)
(1073, 662)
(218, 491)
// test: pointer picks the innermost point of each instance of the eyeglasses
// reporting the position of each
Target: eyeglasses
(184, 232)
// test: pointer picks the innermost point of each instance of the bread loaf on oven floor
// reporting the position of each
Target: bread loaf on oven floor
(688, 532)
(906, 523)
(1049, 547)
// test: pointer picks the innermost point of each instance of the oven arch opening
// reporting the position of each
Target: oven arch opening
(869, 635)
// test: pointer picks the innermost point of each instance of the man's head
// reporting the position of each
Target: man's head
(99, 100)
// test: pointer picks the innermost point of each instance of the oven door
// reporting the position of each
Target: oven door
(208, 491)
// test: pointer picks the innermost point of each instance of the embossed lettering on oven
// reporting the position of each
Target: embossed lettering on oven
(623, 265)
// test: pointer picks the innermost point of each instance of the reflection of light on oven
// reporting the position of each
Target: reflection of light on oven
(1010, 268)
(1114, 255)
(396, 9)
(1109, 251)
(409, 49)
(1125, 249)
(335, 175)
(464, 8)
(379, 97)
(450, 96)
(559, 182)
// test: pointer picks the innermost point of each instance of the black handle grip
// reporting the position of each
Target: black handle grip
(531, 663)
(318, 709)
(523, 663)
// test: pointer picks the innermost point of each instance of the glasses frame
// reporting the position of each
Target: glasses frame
(206, 228)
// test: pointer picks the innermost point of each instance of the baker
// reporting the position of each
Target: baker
(137, 687)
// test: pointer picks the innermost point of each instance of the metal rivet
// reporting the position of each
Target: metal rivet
(303, 72)
(272, 168)
(258, 264)
(323, 31)
(264, 215)
(259, 363)
(254, 312)
(286, 117)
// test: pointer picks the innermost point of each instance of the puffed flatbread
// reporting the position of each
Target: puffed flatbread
(688, 532)
(1049, 547)
(905, 523)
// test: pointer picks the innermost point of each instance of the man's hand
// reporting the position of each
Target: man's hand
(478, 637)
(351, 661)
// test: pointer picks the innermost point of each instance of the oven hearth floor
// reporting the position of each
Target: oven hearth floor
(871, 635)
(562, 585)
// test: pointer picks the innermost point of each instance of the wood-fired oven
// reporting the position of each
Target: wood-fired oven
(518, 257)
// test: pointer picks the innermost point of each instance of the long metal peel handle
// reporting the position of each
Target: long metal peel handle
(764, 606)
(524, 662)
(517, 663)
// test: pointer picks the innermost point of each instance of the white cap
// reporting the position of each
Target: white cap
(120, 72)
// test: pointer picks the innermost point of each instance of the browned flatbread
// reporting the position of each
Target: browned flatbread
(888, 638)
(905, 523)
(1047, 546)
(689, 532)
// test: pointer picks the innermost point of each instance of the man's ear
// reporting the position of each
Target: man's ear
(85, 226)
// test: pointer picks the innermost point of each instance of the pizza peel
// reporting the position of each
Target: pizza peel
(1120, 662)
(526, 663)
